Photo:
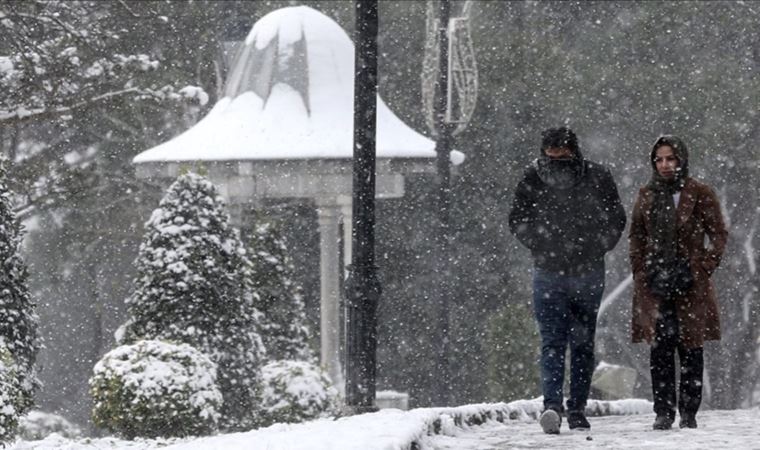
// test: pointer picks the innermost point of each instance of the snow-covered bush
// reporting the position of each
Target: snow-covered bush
(155, 389)
(193, 285)
(38, 425)
(295, 391)
(280, 300)
(18, 323)
(12, 400)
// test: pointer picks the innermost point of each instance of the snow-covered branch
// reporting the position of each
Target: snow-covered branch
(22, 115)
(619, 289)
(749, 249)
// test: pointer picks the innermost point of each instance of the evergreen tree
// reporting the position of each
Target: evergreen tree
(18, 322)
(193, 286)
(280, 299)
(512, 349)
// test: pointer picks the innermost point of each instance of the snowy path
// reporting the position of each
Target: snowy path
(735, 429)
(630, 427)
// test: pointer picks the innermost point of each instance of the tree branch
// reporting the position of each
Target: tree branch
(129, 10)
(10, 118)
(749, 250)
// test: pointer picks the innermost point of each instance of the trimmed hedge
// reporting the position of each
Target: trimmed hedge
(156, 389)
(296, 391)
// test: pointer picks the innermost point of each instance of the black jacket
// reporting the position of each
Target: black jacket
(568, 230)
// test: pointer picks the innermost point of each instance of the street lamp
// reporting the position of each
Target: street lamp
(362, 286)
(449, 90)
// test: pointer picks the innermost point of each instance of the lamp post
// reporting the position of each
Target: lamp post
(362, 287)
(435, 92)
(449, 87)
(443, 236)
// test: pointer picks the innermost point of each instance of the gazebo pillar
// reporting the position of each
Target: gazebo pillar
(236, 212)
(346, 215)
(329, 215)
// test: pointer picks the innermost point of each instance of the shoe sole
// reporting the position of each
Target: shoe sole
(549, 422)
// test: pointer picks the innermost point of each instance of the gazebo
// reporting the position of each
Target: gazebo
(284, 129)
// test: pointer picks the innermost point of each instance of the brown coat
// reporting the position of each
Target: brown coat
(698, 214)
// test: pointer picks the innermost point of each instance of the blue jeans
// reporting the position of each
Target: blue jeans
(565, 308)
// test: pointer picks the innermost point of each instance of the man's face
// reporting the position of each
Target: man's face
(666, 162)
(558, 153)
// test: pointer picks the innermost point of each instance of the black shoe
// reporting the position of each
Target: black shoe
(662, 422)
(576, 420)
(550, 421)
(688, 420)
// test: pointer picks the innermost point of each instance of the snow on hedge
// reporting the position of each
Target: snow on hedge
(295, 391)
(155, 388)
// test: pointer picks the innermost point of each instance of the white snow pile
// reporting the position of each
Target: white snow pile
(386, 429)
(38, 425)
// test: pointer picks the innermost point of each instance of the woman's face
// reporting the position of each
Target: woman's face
(666, 162)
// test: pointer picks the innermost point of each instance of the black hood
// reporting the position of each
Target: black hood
(560, 137)
(561, 173)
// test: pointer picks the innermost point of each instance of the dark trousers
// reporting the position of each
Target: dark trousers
(565, 308)
(663, 366)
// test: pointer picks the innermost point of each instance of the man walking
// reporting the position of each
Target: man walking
(567, 212)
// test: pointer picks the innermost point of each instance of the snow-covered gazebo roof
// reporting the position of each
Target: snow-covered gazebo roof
(289, 96)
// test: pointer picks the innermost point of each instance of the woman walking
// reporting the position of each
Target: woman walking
(674, 304)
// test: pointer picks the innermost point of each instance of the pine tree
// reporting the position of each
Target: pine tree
(18, 322)
(512, 348)
(193, 286)
(280, 299)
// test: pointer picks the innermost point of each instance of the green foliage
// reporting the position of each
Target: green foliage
(280, 298)
(194, 286)
(18, 322)
(155, 389)
(512, 352)
(13, 399)
(71, 159)
(296, 391)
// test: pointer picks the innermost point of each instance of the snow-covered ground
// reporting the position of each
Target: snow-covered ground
(385, 429)
(718, 429)
(626, 424)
